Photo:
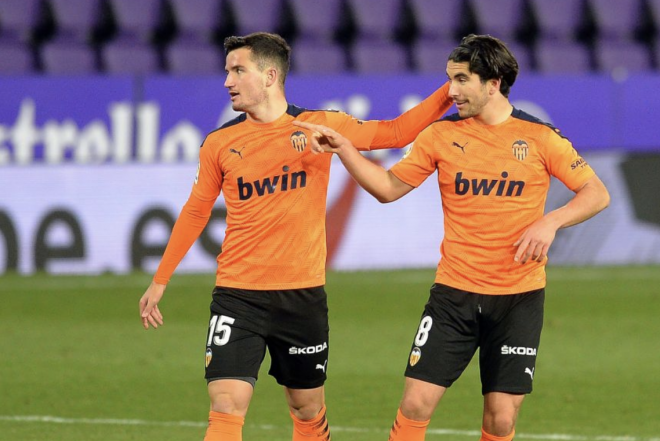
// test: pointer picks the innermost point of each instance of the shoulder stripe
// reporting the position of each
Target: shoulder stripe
(524, 116)
(239, 119)
(294, 110)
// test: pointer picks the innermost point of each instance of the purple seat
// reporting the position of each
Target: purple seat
(558, 19)
(437, 20)
(431, 56)
(316, 19)
(62, 57)
(616, 20)
(127, 57)
(376, 19)
(311, 57)
(622, 57)
(500, 18)
(75, 19)
(136, 19)
(256, 15)
(379, 57)
(654, 8)
(186, 57)
(562, 57)
(16, 58)
(197, 19)
(523, 57)
(18, 18)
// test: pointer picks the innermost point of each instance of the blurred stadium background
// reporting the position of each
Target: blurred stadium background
(103, 106)
(329, 36)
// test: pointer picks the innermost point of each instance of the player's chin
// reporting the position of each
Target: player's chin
(236, 106)
(464, 112)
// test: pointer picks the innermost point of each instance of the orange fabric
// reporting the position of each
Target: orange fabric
(485, 436)
(405, 429)
(224, 427)
(275, 192)
(493, 182)
(311, 430)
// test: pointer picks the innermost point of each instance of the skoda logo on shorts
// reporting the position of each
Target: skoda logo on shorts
(209, 356)
(415, 355)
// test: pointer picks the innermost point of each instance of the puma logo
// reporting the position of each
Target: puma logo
(462, 147)
(322, 366)
(238, 152)
(530, 372)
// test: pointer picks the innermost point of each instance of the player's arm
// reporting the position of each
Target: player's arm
(380, 183)
(399, 132)
(403, 130)
(191, 222)
(194, 216)
(590, 199)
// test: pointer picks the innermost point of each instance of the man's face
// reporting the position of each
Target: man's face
(245, 82)
(466, 89)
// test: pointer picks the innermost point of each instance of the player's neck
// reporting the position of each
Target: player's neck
(495, 112)
(269, 110)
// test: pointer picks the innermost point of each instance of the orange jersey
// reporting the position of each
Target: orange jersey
(275, 191)
(494, 182)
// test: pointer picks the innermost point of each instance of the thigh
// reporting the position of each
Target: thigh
(230, 396)
(446, 338)
(510, 340)
(299, 337)
(420, 399)
(235, 341)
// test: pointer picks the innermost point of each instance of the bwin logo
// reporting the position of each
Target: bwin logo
(486, 187)
(287, 181)
(517, 350)
(308, 350)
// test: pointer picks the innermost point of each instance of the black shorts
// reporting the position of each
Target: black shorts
(505, 328)
(292, 324)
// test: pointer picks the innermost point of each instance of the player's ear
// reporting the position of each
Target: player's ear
(494, 85)
(271, 76)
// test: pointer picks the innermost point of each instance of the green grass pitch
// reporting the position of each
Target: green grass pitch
(75, 363)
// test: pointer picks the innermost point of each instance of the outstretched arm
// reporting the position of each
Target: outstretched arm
(589, 200)
(380, 183)
(403, 130)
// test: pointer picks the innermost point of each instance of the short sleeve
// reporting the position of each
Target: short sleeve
(564, 162)
(208, 181)
(419, 162)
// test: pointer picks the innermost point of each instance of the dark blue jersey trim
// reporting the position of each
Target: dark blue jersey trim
(519, 114)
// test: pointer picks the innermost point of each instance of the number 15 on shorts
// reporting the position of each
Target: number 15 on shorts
(219, 330)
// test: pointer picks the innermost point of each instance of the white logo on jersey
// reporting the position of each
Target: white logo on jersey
(322, 366)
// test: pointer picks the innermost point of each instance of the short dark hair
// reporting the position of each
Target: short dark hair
(489, 58)
(266, 48)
